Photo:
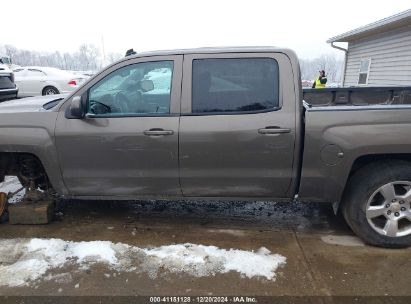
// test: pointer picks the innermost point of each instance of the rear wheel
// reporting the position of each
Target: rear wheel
(50, 91)
(377, 205)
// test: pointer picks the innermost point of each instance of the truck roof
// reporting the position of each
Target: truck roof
(214, 50)
(231, 49)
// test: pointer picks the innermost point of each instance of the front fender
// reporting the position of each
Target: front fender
(33, 133)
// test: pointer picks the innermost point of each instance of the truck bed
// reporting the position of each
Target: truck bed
(339, 134)
(357, 96)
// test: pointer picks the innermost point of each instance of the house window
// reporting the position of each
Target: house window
(364, 71)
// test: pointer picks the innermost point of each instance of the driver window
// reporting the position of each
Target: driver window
(138, 89)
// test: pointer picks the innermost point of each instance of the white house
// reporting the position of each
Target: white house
(378, 54)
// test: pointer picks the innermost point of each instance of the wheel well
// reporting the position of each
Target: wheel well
(26, 166)
(49, 86)
(367, 159)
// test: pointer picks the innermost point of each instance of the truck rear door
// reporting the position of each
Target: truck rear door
(237, 125)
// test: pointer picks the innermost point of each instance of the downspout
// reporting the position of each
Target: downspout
(345, 60)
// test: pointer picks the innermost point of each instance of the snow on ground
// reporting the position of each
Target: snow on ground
(12, 184)
(25, 261)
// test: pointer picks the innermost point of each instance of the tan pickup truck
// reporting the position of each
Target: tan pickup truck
(226, 123)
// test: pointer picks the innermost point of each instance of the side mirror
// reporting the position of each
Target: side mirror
(146, 85)
(76, 109)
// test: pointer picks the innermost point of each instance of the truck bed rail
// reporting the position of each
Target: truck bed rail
(357, 96)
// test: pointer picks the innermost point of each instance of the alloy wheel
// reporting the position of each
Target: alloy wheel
(388, 210)
(50, 92)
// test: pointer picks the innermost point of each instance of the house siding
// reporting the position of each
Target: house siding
(390, 54)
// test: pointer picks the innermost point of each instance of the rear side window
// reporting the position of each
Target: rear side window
(235, 85)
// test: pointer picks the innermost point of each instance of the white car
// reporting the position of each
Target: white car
(35, 81)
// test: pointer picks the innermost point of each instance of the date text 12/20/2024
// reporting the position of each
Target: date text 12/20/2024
(204, 299)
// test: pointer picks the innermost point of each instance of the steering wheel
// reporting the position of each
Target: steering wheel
(122, 102)
(97, 107)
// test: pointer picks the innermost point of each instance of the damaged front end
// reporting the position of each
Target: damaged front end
(35, 184)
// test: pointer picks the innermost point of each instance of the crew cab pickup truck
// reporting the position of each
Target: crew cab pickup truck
(218, 123)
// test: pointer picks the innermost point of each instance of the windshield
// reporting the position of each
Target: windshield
(5, 60)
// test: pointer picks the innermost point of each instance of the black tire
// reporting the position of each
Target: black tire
(49, 90)
(361, 187)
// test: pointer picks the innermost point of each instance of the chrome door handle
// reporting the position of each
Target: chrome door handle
(158, 132)
(273, 130)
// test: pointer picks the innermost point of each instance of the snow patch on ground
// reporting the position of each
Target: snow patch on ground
(12, 184)
(200, 260)
(25, 261)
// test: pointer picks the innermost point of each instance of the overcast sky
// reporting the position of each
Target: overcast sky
(50, 25)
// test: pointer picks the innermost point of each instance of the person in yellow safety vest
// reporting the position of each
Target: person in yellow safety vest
(320, 82)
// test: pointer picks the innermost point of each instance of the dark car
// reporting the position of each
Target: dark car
(8, 89)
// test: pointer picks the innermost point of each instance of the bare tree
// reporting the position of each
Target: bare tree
(86, 58)
(89, 56)
(113, 57)
(327, 62)
(11, 51)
